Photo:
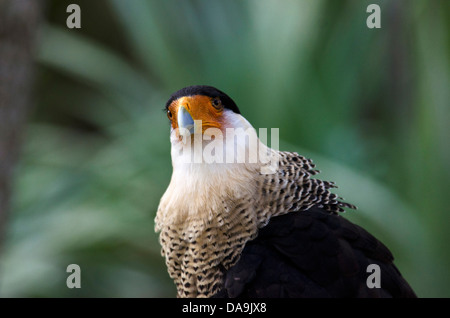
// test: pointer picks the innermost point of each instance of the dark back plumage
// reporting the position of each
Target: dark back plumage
(313, 254)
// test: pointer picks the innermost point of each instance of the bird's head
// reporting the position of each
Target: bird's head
(201, 109)
(207, 127)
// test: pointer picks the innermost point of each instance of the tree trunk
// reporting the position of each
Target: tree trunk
(18, 24)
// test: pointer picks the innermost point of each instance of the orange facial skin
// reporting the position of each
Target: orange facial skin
(207, 109)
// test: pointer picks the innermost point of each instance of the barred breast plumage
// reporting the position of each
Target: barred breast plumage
(197, 250)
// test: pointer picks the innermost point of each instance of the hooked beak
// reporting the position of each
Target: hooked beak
(185, 121)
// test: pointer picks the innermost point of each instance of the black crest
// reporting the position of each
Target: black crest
(205, 90)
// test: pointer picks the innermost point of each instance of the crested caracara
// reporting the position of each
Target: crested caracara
(234, 225)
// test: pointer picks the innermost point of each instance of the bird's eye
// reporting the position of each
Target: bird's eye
(217, 103)
(169, 114)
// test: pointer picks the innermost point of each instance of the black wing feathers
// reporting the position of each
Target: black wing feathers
(313, 254)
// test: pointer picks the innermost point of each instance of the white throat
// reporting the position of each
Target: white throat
(223, 149)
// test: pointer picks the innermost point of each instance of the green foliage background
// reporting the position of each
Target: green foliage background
(369, 106)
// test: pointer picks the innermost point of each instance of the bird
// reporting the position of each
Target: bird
(261, 228)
